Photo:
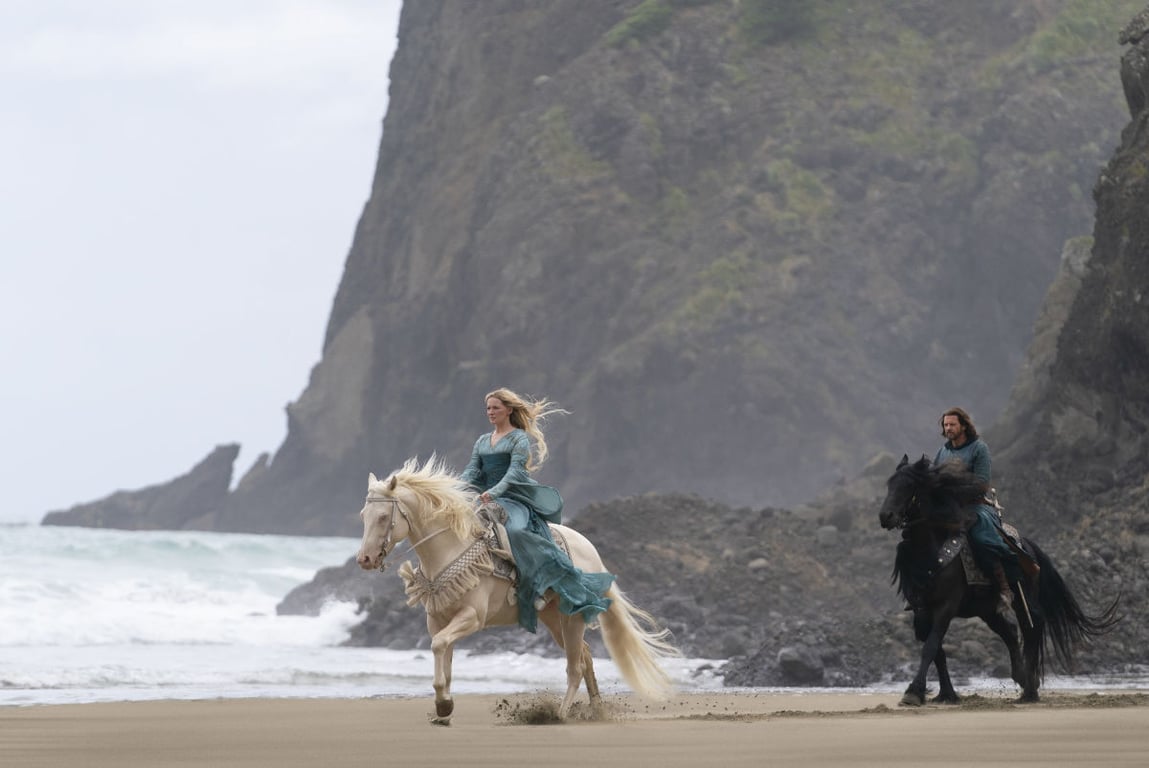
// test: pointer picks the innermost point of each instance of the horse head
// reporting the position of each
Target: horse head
(385, 523)
(409, 503)
(902, 491)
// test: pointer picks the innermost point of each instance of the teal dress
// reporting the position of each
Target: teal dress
(984, 534)
(501, 471)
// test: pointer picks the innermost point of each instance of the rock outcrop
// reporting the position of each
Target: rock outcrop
(1090, 421)
(732, 247)
(803, 597)
(1071, 454)
(189, 501)
(747, 251)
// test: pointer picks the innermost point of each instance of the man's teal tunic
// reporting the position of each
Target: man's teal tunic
(988, 546)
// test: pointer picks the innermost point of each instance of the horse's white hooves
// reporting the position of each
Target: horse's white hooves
(441, 720)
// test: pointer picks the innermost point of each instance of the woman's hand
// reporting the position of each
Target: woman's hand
(485, 497)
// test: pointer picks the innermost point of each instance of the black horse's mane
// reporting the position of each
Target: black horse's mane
(942, 499)
(946, 491)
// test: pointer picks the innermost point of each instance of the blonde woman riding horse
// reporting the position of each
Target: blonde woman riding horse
(457, 586)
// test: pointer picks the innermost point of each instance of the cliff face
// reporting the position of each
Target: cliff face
(1090, 418)
(1070, 462)
(747, 251)
(1074, 457)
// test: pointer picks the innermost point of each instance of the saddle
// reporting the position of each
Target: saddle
(494, 519)
(958, 545)
(1012, 538)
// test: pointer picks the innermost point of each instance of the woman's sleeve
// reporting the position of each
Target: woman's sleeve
(472, 471)
(517, 471)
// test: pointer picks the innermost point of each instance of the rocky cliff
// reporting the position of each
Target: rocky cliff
(188, 501)
(803, 596)
(749, 245)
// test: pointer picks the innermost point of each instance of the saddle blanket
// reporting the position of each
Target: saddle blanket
(958, 546)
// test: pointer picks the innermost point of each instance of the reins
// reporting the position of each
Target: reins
(391, 529)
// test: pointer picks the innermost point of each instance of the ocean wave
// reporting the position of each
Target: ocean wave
(89, 615)
(77, 587)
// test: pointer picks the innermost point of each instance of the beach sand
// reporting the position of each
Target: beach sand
(697, 730)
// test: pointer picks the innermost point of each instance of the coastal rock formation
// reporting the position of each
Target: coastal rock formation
(1135, 63)
(768, 589)
(189, 501)
(1091, 420)
(745, 247)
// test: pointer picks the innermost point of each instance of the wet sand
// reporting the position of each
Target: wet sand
(697, 730)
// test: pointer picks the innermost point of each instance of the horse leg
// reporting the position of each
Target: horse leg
(1007, 631)
(915, 694)
(1033, 660)
(568, 634)
(463, 623)
(444, 702)
(1032, 624)
(589, 678)
(946, 692)
(1032, 640)
(579, 664)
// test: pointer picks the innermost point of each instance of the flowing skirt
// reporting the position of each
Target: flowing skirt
(542, 566)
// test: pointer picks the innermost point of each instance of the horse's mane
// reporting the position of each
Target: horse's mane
(438, 491)
(951, 487)
(953, 479)
(943, 496)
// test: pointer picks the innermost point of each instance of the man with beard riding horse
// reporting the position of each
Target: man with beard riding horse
(991, 552)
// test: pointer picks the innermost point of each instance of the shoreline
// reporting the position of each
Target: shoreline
(1078, 728)
(983, 687)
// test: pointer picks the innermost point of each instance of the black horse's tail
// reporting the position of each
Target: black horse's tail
(1062, 620)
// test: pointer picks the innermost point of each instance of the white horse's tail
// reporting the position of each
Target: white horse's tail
(636, 645)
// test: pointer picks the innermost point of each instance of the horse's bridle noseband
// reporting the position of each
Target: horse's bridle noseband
(908, 520)
(387, 545)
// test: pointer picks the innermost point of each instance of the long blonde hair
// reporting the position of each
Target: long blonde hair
(527, 415)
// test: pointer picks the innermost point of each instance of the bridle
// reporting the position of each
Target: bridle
(906, 519)
(387, 545)
(909, 519)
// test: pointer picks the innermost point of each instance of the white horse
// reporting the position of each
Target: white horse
(433, 509)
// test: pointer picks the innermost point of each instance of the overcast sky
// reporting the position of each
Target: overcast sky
(179, 185)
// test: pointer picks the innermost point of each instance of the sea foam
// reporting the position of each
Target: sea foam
(97, 615)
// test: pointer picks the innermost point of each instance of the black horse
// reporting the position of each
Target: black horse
(932, 504)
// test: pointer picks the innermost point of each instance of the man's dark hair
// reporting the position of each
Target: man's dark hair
(963, 419)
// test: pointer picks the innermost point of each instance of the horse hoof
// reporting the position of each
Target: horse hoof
(444, 721)
(910, 699)
(444, 708)
(951, 699)
(1028, 698)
